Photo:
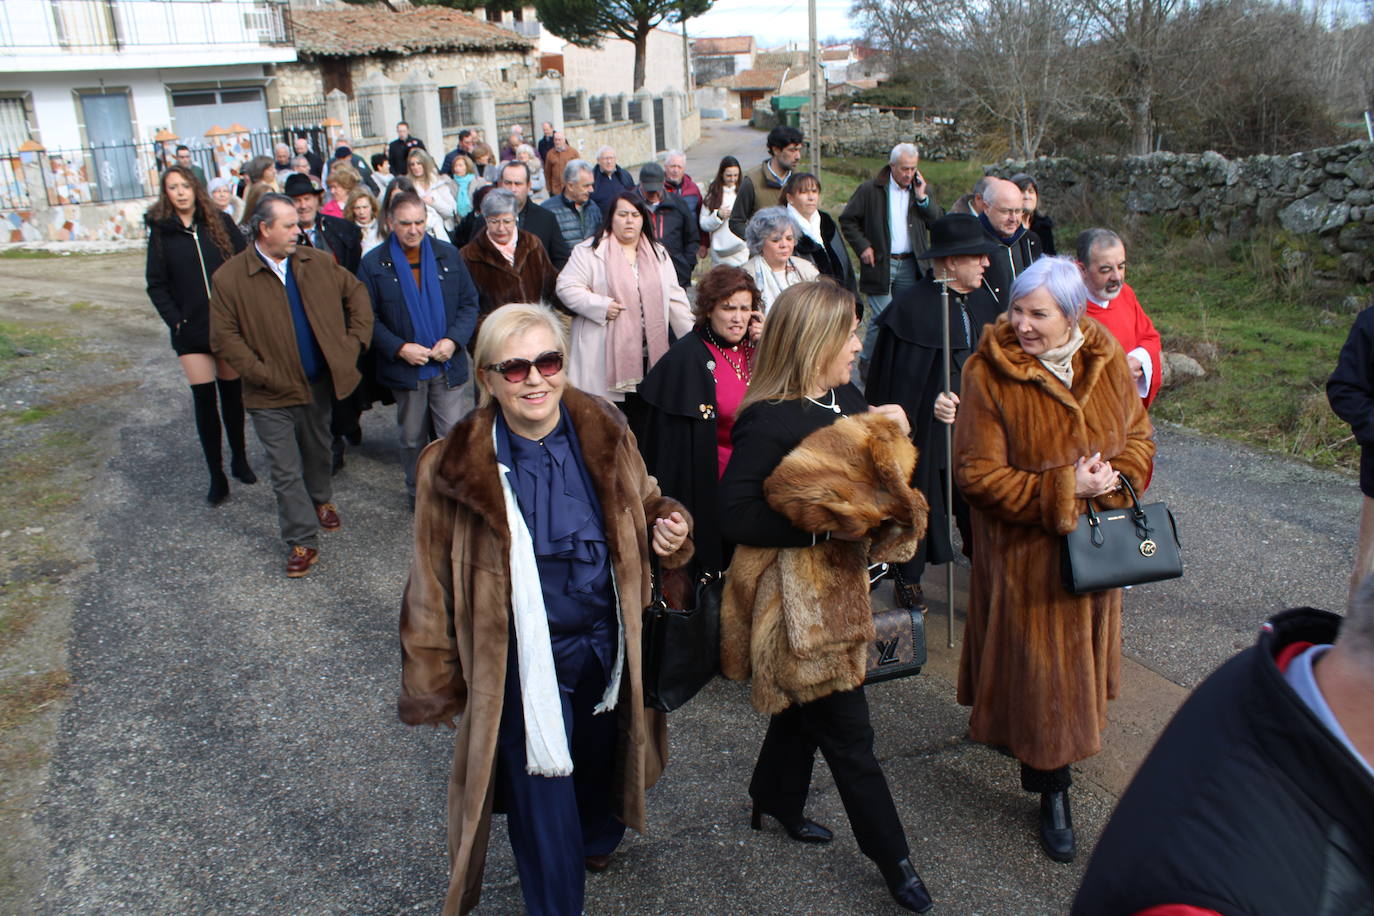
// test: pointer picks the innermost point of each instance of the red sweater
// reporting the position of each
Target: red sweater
(1129, 324)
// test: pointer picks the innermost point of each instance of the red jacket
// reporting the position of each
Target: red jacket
(1132, 328)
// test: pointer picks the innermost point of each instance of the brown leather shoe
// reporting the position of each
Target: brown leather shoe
(328, 515)
(300, 561)
(598, 864)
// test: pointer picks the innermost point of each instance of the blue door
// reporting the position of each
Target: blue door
(113, 165)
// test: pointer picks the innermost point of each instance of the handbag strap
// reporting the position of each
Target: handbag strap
(656, 599)
(1138, 517)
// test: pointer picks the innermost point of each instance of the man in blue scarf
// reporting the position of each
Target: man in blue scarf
(1017, 246)
(426, 311)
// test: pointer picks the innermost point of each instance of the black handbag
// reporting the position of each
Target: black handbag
(899, 648)
(681, 647)
(1117, 547)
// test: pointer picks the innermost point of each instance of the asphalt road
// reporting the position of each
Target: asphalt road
(231, 744)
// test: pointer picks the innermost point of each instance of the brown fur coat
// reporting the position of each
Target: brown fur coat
(455, 615)
(1038, 663)
(799, 619)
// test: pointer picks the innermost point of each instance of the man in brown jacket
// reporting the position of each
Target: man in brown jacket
(558, 157)
(292, 323)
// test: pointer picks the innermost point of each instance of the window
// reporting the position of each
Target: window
(14, 123)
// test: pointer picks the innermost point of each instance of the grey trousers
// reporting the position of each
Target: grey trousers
(299, 460)
(903, 277)
(426, 414)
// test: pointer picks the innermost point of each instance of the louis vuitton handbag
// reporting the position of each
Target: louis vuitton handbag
(899, 647)
(1117, 547)
(681, 646)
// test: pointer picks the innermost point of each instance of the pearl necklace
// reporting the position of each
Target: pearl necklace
(834, 401)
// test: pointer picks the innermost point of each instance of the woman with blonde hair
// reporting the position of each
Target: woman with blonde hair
(433, 190)
(801, 418)
(540, 499)
(466, 181)
(362, 210)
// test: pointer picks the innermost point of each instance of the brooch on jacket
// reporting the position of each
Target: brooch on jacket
(708, 411)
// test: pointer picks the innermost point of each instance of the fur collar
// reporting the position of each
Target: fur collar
(1005, 356)
(484, 251)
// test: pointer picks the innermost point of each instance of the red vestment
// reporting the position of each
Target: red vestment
(1129, 324)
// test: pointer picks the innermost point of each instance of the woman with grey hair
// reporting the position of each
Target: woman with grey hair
(539, 191)
(1048, 418)
(507, 265)
(772, 238)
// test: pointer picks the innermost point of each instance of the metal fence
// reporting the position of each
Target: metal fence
(304, 113)
(660, 129)
(637, 111)
(455, 110)
(87, 175)
(571, 111)
(30, 27)
(508, 114)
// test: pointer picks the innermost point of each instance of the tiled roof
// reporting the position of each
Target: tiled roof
(829, 54)
(738, 44)
(361, 30)
(750, 79)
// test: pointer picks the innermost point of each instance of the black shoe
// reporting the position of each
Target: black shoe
(337, 447)
(906, 887)
(798, 828)
(1056, 826)
(238, 466)
(355, 435)
(906, 595)
(219, 489)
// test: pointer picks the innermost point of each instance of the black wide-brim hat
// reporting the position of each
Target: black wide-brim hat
(956, 234)
(298, 185)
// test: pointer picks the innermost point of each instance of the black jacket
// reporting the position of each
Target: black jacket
(677, 437)
(1247, 805)
(676, 230)
(832, 259)
(179, 278)
(1007, 262)
(343, 239)
(393, 327)
(1351, 392)
(907, 368)
(864, 224)
(397, 151)
(608, 186)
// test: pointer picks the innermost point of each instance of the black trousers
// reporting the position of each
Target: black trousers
(838, 726)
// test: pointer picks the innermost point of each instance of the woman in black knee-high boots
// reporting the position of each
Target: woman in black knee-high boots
(188, 239)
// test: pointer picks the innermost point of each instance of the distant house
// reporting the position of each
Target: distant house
(754, 87)
(713, 58)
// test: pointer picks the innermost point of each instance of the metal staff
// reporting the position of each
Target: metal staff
(949, 460)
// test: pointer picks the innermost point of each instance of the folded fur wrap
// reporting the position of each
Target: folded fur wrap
(798, 618)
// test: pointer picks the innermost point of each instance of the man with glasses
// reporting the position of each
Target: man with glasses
(426, 310)
(1018, 247)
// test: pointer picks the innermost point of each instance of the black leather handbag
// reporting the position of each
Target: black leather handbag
(899, 649)
(1117, 547)
(681, 647)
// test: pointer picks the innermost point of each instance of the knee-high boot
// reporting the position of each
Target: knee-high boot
(231, 409)
(208, 427)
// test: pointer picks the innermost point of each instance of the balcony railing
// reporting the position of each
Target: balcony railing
(102, 26)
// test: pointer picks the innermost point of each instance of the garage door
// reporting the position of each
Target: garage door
(198, 111)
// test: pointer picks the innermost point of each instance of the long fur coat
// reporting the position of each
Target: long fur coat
(798, 619)
(1039, 663)
(455, 616)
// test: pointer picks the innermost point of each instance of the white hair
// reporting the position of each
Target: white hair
(674, 154)
(604, 150)
(901, 151)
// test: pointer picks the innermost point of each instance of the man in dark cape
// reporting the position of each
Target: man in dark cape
(908, 369)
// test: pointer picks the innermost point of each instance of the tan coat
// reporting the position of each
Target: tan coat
(798, 620)
(251, 327)
(554, 163)
(1038, 663)
(455, 615)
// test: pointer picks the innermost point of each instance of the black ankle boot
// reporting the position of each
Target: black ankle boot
(219, 489)
(906, 887)
(238, 466)
(1056, 826)
(799, 828)
(337, 449)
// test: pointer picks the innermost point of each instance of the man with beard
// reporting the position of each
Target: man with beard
(908, 369)
(759, 187)
(1018, 247)
(1102, 259)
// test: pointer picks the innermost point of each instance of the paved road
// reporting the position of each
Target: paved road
(232, 746)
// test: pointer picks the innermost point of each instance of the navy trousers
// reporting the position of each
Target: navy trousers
(556, 822)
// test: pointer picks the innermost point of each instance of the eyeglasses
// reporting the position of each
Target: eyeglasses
(517, 370)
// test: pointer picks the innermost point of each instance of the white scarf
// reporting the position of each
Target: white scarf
(1060, 360)
(546, 741)
(810, 227)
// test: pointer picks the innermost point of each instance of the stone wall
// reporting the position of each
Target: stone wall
(77, 222)
(634, 143)
(862, 131)
(1324, 198)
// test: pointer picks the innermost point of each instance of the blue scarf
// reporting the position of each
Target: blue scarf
(464, 183)
(425, 305)
(1007, 240)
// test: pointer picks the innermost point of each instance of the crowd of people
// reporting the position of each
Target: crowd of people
(580, 398)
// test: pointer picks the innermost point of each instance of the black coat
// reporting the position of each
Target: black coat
(608, 186)
(397, 151)
(1043, 227)
(1351, 392)
(1007, 262)
(1246, 805)
(676, 230)
(864, 223)
(179, 278)
(832, 259)
(907, 368)
(343, 239)
(677, 437)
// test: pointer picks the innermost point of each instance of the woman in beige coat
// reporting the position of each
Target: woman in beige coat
(525, 624)
(627, 304)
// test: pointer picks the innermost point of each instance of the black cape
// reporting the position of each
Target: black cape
(908, 369)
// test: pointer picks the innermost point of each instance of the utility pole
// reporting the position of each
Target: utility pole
(813, 128)
(686, 64)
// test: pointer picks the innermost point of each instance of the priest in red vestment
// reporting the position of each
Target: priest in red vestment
(1102, 258)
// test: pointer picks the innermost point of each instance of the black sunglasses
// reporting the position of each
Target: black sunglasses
(517, 370)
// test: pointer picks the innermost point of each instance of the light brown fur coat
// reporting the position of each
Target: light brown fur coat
(798, 619)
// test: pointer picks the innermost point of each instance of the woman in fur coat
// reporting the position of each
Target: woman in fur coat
(1049, 417)
(522, 617)
(805, 489)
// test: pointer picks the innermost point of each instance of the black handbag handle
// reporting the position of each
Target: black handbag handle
(656, 599)
(1138, 518)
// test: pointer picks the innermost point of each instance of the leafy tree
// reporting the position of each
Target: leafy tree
(586, 23)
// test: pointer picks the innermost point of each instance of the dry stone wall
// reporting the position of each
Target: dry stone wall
(861, 131)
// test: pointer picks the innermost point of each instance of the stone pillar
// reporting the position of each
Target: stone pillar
(382, 99)
(620, 108)
(421, 97)
(584, 110)
(483, 106)
(646, 115)
(546, 103)
(336, 107)
(674, 110)
(35, 160)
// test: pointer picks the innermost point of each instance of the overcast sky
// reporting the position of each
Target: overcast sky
(772, 23)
